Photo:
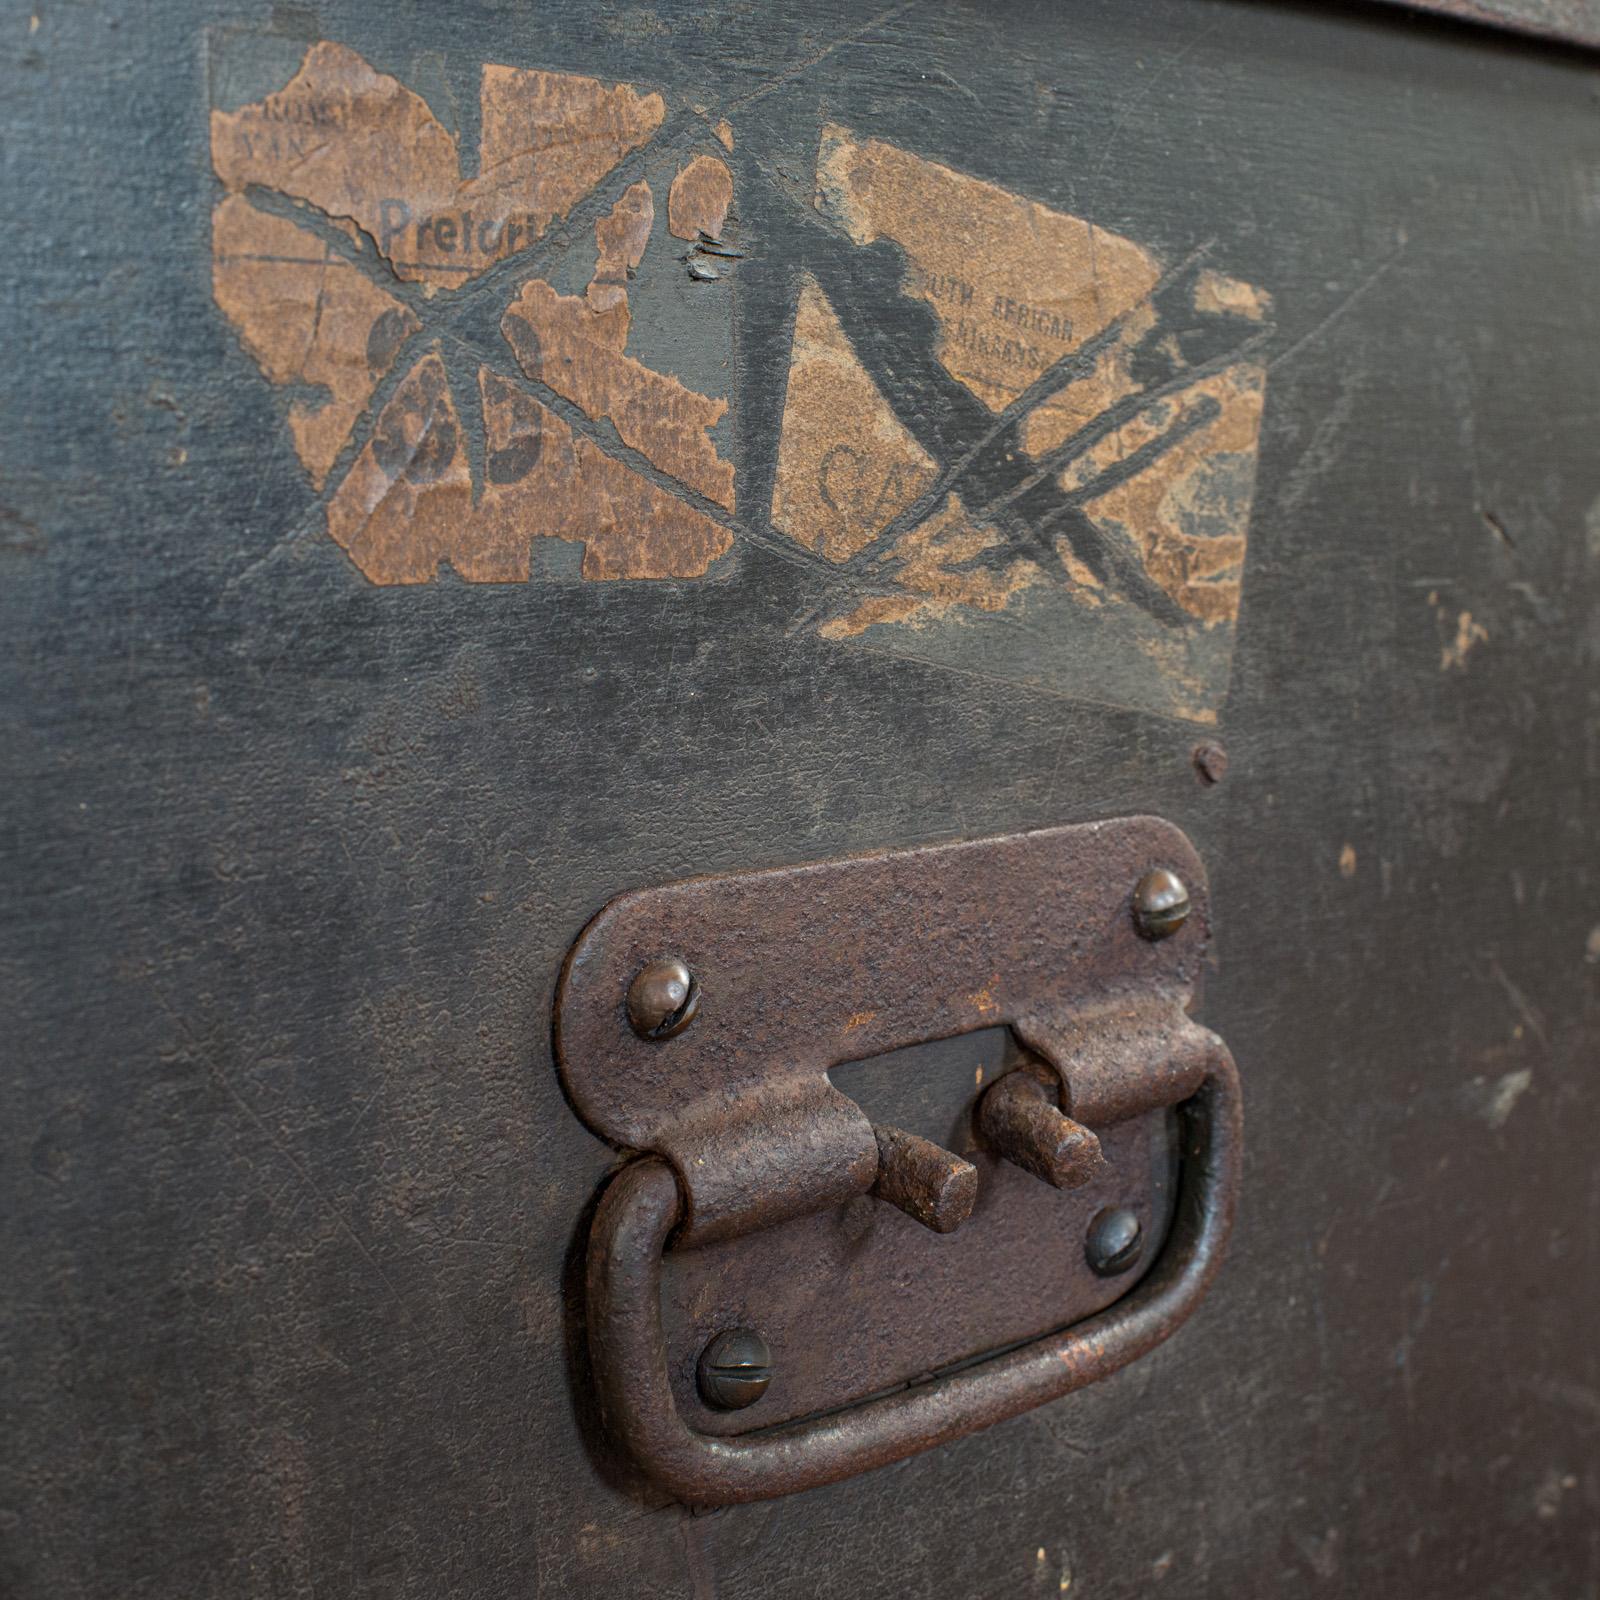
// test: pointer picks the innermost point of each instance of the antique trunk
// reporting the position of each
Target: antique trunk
(801, 801)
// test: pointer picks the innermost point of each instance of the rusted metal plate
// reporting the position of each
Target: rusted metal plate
(701, 1022)
(859, 1299)
(643, 1207)
(806, 968)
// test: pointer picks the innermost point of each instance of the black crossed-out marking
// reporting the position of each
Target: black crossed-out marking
(896, 336)
(978, 453)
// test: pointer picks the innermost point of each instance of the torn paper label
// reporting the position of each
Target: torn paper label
(359, 147)
(847, 466)
(406, 507)
(1059, 427)
(1011, 441)
(349, 231)
(311, 319)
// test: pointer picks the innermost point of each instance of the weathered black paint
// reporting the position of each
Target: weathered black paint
(291, 1195)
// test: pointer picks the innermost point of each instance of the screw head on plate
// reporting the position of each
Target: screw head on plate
(1115, 1241)
(663, 999)
(735, 1369)
(1160, 904)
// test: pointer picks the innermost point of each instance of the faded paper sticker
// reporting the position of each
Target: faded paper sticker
(1012, 441)
(697, 203)
(1095, 484)
(363, 149)
(349, 242)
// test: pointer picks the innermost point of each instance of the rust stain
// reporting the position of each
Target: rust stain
(309, 319)
(699, 199)
(360, 147)
(575, 345)
(724, 133)
(406, 506)
(846, 464)
(1347, 861)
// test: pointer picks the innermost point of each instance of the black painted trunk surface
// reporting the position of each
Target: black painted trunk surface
(291, 1201)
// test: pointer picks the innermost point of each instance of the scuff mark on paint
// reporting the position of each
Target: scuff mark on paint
(1468, 636)
(1503, 1097)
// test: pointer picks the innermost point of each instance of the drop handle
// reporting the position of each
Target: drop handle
(711, 1067)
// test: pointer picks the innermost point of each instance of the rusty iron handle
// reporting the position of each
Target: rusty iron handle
(642, 1206)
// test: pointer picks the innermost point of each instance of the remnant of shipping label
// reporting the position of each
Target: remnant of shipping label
(360, 147)
(406, 505)
(348, 229)
(575, 343)
(1014, 285)
(310, 319)
(846, 464)
(1059, 426)
(697, 203)
(1012, 440)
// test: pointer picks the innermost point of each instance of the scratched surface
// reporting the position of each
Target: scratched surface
(1011, 436)
(299, 828)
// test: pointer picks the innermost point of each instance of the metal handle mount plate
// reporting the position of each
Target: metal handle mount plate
(696, 1024)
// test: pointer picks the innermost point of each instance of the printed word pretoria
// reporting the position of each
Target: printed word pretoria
(450, 233)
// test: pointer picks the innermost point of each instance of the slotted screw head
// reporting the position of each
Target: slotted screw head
(1115, 1241)
(663, 999)
(735, 1369)
(1160, 904)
